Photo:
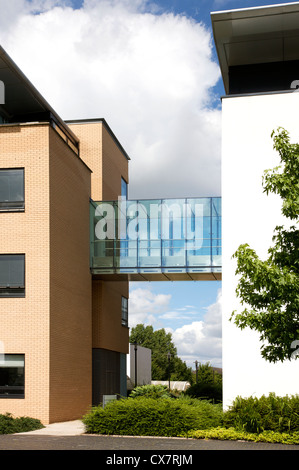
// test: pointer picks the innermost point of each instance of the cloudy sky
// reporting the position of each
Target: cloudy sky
(150, 69)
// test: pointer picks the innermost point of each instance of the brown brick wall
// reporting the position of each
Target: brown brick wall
(108, 332)
(100, 150)
(115, 166)
(55, 324)
(90, 136)
(52, 324)
(70, 284)
(24, 322)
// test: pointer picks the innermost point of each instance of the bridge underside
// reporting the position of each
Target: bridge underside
(156, 240)
(157, 276)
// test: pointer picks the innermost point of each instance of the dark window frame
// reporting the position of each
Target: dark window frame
(14, 206)
(124, 311)
(11, 290)
(7, 390)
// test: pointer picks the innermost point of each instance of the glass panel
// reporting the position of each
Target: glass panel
(173, 218)
(216, 227)
(104, 221)
(157, 233)
(200, 205)
(124, 189)
(132, 220)
(12, 375)
(199, 253)
(173, 253)
(125, 254)
(12, 188)
(216, 252)
(216, 206)
(149, 253)
(103, 255)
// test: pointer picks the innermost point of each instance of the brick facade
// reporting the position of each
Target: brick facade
(65, 313)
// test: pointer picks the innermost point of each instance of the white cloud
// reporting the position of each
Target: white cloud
(201, 340)
(148, 75)
(195, 340)
(144, 305)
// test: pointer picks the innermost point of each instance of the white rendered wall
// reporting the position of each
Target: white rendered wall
(250, 216)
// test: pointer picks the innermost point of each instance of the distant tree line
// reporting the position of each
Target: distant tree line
(161, 344)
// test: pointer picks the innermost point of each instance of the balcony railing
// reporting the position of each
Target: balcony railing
(156, 239)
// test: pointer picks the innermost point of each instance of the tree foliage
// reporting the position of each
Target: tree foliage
(160, 344)
(269, 289)
(206, 373)
(208, 384)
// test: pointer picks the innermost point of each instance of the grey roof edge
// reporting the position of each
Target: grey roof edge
(251, 11)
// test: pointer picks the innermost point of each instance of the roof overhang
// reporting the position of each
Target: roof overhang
(22, 100)
(256, 35)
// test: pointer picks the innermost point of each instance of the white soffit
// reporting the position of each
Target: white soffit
(256, 35)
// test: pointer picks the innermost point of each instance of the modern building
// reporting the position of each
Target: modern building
(71, 240)
(64, 274)
(259, 59)
(63, 337)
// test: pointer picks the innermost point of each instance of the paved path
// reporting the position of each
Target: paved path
(119, 443)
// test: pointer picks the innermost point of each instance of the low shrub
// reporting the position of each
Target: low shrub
(150, 391)
(143, 416)
(11, 425)
(232, 434)
(267, 413)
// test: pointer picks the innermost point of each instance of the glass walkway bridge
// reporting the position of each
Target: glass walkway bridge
(154, 240)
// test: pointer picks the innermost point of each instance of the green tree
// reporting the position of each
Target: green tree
(207, 374)
(161, 344)
(269, 289)
(208, 385)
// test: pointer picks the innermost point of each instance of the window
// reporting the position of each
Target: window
(124, 311)
(12, 275)
(12, 189)
(12, 375)
(124, 189)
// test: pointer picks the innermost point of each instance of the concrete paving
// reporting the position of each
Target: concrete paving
(69, 428)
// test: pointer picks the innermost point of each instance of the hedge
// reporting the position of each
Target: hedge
(11, 425)
(144, 416)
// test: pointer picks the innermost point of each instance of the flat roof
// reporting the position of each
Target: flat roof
(104, 122)
(256, 35)
(22, 98)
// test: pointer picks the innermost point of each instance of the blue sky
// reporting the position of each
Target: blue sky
(150, 69)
